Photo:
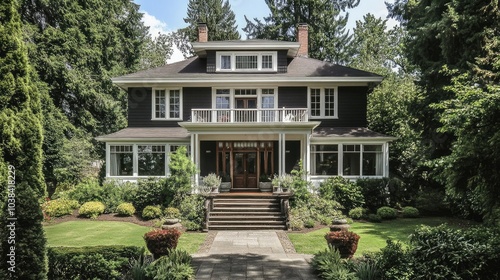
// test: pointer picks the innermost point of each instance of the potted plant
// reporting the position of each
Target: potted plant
(276, 182)
(213, 181)
(286, 182)
(265, 184)
(225, 185)
(346, 242)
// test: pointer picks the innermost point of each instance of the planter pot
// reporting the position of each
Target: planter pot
(276, 189)
(225, 186)
(171, 221)
(215, 189)
(265, 186)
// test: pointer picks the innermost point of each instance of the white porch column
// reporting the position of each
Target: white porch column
(307, 163)
(283, 153)
(135, 160)
(280, 151)
(108, 160)
(197, 158)
(386, 159)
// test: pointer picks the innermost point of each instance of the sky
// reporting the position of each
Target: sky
(165, 16)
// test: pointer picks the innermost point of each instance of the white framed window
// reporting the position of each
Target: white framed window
(167, 104)
(323, 103)
(348, 159)
(141, 159)
(246, 61)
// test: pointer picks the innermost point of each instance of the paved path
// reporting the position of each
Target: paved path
(252, 255)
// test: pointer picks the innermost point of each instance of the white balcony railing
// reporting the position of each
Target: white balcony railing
(249, 115)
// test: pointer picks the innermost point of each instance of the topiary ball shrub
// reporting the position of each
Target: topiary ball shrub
(59, 207)
(357, 213)
(172, 213)
(410, 212)
(151, 212)
(91, 209)
(374, 218)
(160, 242)
(125, 209)
(387, 213)
(344, 241)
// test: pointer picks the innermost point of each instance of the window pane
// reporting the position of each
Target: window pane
(324, 159)
(372, 160)
(315, 102)
(175, 101)
(222, 91)
(268, 103)
(267, 91)
(267, 62)
(246, 62)
(245, 91)
(225, 62)
(222, 102)
(160, 107)
(329, 102)
(151, 160)
(121, 160)
(352, 158)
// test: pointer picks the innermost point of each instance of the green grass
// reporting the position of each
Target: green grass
(96, 233)
(373, 235)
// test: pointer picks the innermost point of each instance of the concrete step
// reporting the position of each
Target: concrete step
(245, 209)
(249, 217)
(247, 227)
(249, 222)
(246, 214)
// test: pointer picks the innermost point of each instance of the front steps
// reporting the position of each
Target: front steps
(244, 212)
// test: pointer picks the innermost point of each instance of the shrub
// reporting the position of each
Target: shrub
(125, 209)
(59, 207)
(367, 269)
(357, 213)
(309, 223)
(114, 193)
(96, 262)
(301, 187)
(89, 190)
(151, 212)
(430, 202)
(190, 226)
(395, 262)
(172, 213)
(177, 265)
(152, 191)
(410, 212)
(192, 209)
(329, 265)
(324, 220)
(91, 209)
(375, 192)
(387, 213)
(344, 241)
(159, 242)
(345, 192)
(374, 218)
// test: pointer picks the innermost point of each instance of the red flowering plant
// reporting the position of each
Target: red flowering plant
(159, 242)
(344, 241)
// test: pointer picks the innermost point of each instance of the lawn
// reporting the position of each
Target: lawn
(373, 235)
(95, 233)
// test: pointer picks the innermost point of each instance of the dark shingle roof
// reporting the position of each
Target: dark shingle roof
(195, 68)
(347, 132)
(147, 133)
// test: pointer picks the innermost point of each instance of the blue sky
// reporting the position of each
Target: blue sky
(167, 15)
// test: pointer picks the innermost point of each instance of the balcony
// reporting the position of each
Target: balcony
(249, 115)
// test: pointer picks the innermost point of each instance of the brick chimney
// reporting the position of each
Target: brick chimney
(202, 32)
(303, 39)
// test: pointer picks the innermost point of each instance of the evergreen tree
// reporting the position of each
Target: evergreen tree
(328, 37)
(21, 138)
(218, 16)
(156, 51)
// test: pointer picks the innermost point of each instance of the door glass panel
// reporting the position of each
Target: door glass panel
(251, 163)
(252, 103)
(238, 164)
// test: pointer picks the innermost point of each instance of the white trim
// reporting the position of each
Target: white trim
(323, 102)
(167, 104)
(233, 56)
(232, 96)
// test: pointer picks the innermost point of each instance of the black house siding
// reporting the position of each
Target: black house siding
(140, 106)
(211, 62)
(292, 97)
(352, 108)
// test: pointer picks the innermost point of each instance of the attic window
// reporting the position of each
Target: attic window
(246, 62)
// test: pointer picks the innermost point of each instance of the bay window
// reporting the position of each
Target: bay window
(121, 160)
(151, 160)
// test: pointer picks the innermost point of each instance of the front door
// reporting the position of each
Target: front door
(245, 170)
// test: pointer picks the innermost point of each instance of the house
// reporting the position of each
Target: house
(246, 110)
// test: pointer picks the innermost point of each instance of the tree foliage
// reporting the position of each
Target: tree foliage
(218, 16)
(156, 51)
(328, 37)
(21, 138)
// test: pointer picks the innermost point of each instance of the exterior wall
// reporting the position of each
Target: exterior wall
(352, 108)
(292, 97)
(140, 106)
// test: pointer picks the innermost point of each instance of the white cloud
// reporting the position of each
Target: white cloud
(157, 26)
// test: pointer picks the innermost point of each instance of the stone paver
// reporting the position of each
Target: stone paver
(251, 255)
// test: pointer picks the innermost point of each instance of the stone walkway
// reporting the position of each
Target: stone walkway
(251, 255)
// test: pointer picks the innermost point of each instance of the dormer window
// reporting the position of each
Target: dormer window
(246, 61)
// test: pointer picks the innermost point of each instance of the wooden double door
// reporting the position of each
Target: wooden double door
(245, 169)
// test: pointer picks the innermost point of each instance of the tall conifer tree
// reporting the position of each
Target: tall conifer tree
(21, 135)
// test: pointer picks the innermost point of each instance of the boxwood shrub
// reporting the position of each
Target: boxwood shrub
(91, 209)
(59, 207)
(151, 212)
(410, 212)
(357, 213)
(96, 262)
(125, 209)
(387, 213)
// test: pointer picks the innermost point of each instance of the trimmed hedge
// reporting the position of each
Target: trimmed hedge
(96, 262)
(91, 209)
(151, 212)
(387, 213)
(410, 212)
(59, 207)
(125, 209)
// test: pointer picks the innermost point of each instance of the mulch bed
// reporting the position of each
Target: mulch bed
(104, 217)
